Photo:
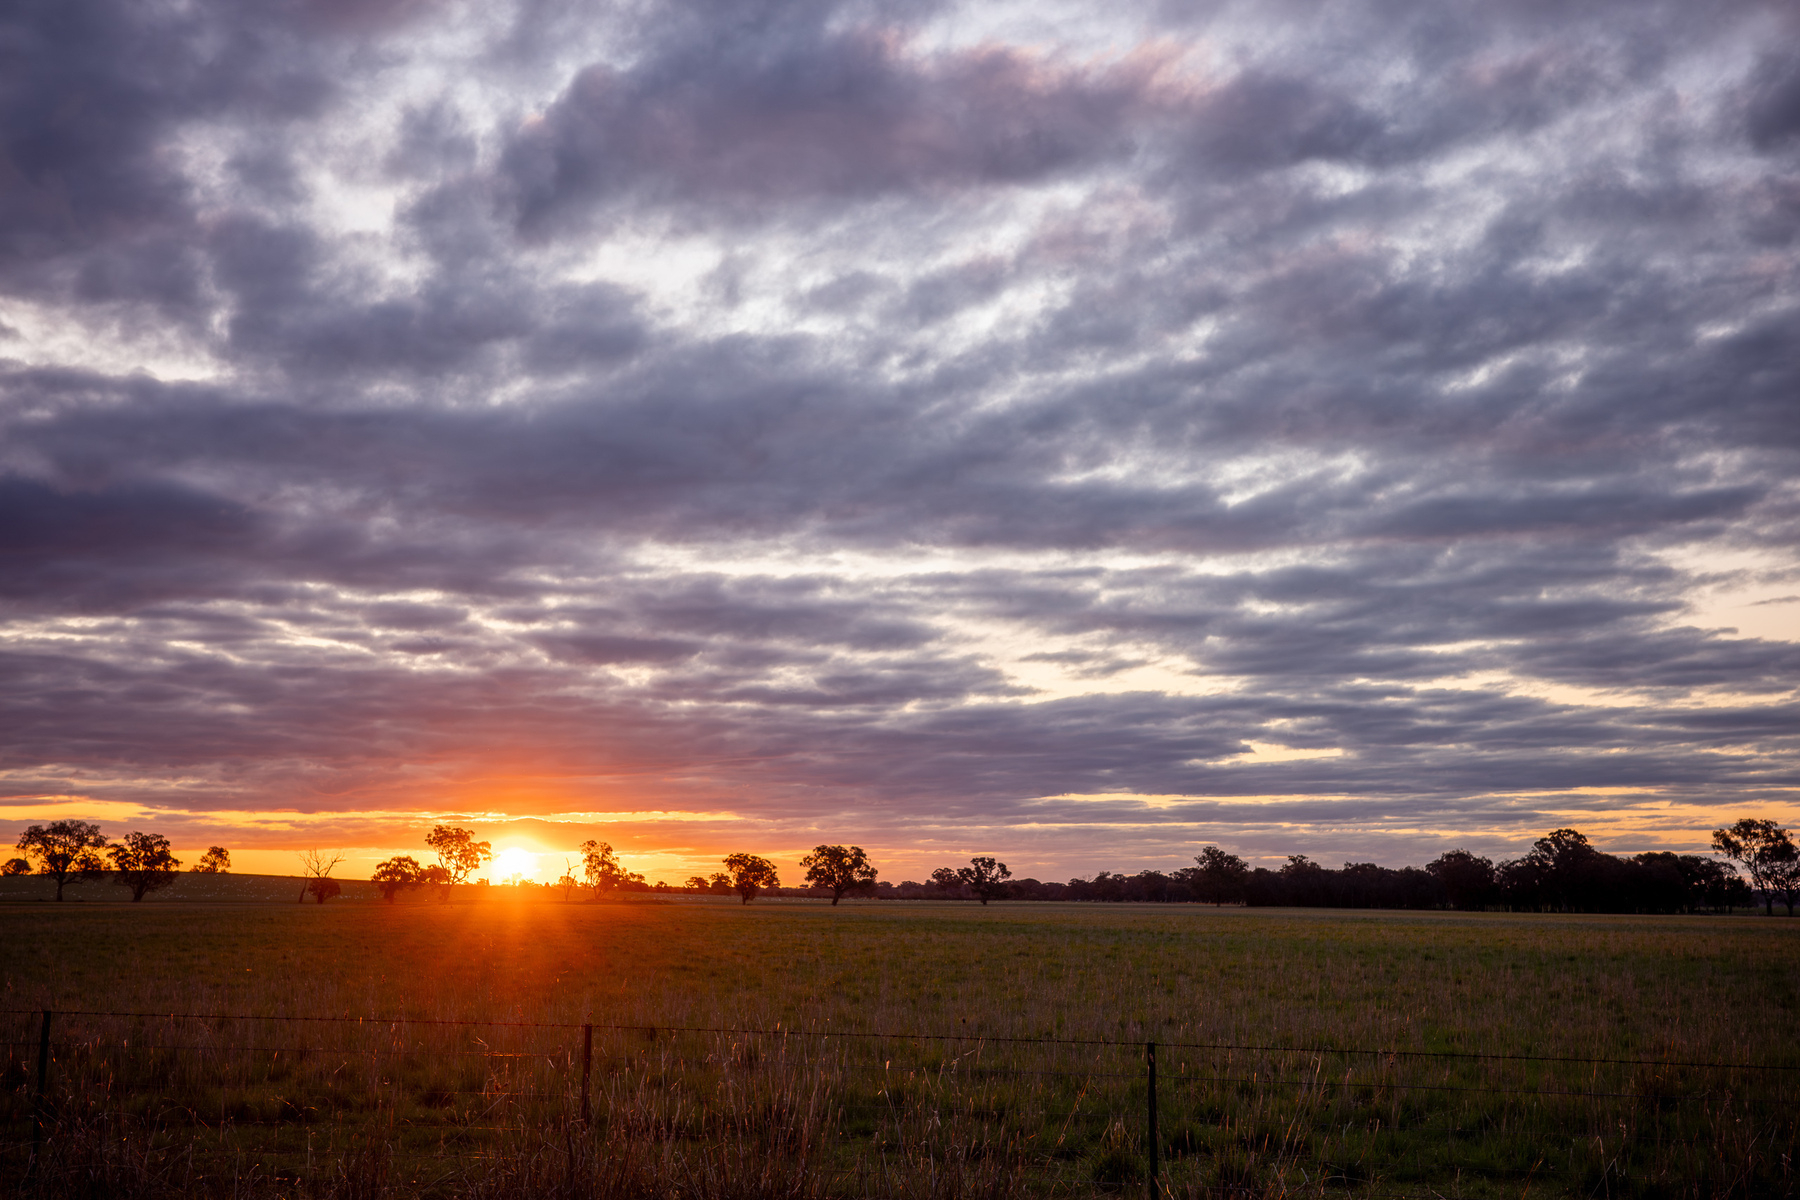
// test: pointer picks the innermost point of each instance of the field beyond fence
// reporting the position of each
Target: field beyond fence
(938, 1051)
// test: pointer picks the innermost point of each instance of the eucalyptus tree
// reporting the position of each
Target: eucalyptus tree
(751, 875)
(839, 869)
(986, 877)
(67, 851)
(143, 863)
(1769, 857)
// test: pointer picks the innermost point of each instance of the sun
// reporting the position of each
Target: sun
(514, 861)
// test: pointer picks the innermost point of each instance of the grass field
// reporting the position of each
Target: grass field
(151, 1105)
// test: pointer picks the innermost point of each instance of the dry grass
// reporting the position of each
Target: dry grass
(381, 1109)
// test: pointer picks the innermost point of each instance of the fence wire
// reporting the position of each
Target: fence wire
(439, 1092)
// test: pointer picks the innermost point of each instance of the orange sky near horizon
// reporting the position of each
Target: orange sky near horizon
(271, 842)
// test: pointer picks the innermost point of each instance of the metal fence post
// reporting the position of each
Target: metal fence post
(587, 1066)
(37, 1097)
(1150, 1062)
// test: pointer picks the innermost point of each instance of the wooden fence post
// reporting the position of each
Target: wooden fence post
(37, 1097)
(1150, 1062)
(587, 1066)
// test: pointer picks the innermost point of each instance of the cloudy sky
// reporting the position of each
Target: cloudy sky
(1074, 431)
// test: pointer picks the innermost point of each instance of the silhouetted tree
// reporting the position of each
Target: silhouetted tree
(947, 881)
(324, 888)
(1570, 870)
(1217, 877)
(397, 875)
(67, 851)
(751, 874)
(720, 884)
(1304, 881)
(315, 865)
(142, 862)
(1467, 879)
(16, 866)
(840, 868)
(986, 877)
(459, 854)
(1768, 854)
(602, 869)
(216, 861)
(696, 883)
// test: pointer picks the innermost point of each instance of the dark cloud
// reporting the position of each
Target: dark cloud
(1772, 116)
(802, 110)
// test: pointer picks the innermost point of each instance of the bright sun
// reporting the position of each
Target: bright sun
(514, 861)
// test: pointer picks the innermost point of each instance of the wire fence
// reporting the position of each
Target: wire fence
(291, 1095)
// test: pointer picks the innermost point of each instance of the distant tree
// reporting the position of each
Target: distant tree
(1768, 854)
(839, 868)
(567, 883)
(1467, 879)
(437, 877)
(947, 881)
(1304, 881)
(986, 877)
(602, 869)
(696, 883)
(1719, 884)
(1217, 877)
(396, 875)
(1574, 872)
(67, 851)
(142, 862)
(324, 888)
(458, 852)
(751, 874)
(720, 884)
(216, 861)
(16, 866)
(316, 864)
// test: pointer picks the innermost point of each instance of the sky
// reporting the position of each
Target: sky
(1077, 432)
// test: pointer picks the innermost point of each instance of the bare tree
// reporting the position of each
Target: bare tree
(143, 863)
(315, 864)
(839, 868)
(216, 861)
(67, 851)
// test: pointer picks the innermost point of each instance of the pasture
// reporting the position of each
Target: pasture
(1021, 1070)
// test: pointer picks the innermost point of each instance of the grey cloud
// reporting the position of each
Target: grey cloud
(800, 111)
(1772, 115)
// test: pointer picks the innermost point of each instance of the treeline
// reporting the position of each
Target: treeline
(1562, 873)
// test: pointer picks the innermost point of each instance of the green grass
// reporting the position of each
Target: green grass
(373, 1108)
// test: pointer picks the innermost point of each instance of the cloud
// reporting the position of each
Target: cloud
(922, 420)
